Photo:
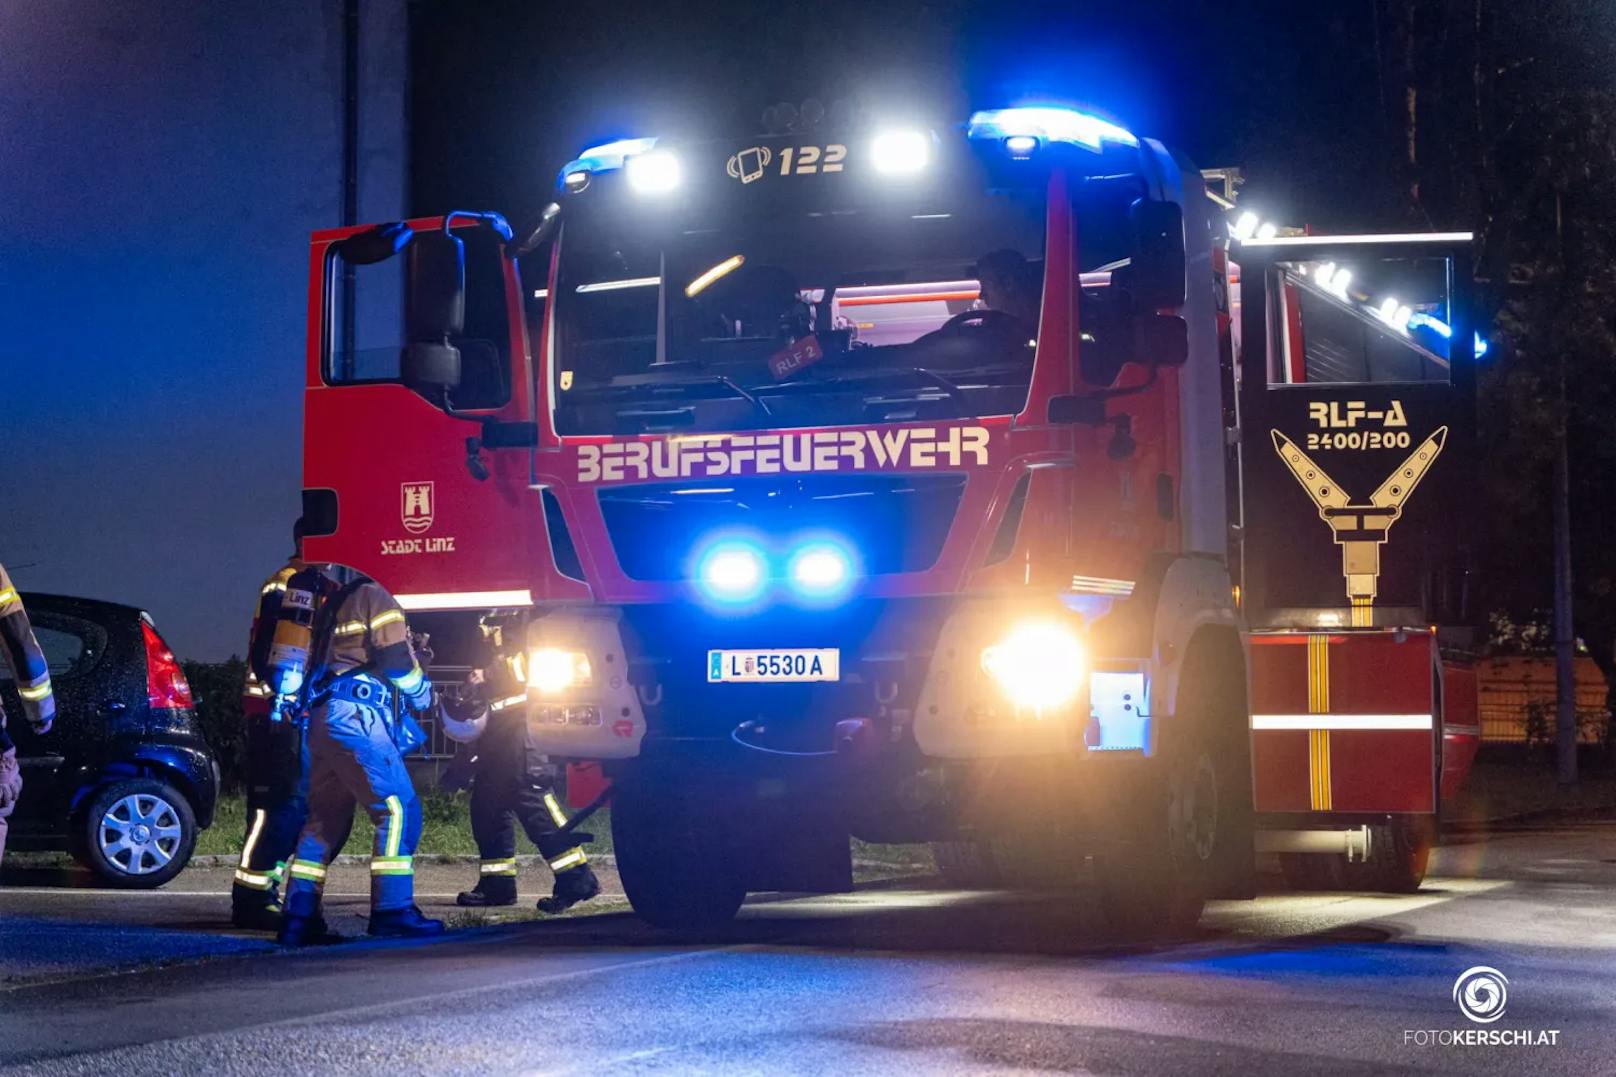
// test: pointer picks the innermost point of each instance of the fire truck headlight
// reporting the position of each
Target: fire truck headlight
(901, 152)
(656, 172)
(731, 572)
(1039, 665)
(551, 671)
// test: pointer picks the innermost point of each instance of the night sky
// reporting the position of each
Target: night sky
(154, 330)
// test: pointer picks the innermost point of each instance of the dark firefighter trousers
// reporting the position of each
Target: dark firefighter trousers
(511, 784)
(353, 760)
(277, 766)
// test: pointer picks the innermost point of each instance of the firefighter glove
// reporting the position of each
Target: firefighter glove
(10, 781)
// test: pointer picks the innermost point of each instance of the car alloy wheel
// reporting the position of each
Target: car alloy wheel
(140, 833)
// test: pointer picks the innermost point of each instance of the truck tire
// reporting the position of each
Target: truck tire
(1185, 820)
(1313, 871)
(135, 833)
(1399, 854)
(969, 864)
(674, 868)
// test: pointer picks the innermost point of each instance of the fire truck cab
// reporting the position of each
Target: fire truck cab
(956, 483)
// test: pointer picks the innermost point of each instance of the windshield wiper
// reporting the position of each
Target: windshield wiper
(628, 390)
(955, 393)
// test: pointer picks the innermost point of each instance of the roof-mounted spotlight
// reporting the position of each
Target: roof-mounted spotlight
(654, 172)
(901, 152)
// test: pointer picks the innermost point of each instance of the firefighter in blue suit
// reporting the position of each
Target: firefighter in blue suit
(32, 673)
(277, 768)
(361, 657)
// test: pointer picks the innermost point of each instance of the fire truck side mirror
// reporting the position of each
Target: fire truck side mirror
(435, 311)
(435, 288)
(1155, 273)
(431, 367)
(1161, 340)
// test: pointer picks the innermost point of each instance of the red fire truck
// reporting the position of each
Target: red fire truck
(951, 483)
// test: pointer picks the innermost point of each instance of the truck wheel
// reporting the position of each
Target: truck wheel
(674, 870)
(137, 833)
(1399, 853)
(967, 863)
(1185, 821)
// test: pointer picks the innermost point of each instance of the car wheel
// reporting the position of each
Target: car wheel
(674, 872)
(137, 833)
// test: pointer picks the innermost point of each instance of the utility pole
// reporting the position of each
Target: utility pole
(1565, 636)
(1565, 678)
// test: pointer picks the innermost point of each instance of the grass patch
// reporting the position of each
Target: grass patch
(893, 856)
(445, 830)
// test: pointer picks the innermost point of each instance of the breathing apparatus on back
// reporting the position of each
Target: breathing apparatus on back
(292, 639)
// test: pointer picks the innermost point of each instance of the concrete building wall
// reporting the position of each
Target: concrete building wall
(161, 166)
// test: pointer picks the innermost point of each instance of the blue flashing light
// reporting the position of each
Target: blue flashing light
(821, 570)
(1444, 330)
(608, 156)
(1436, 325)
(732, 572)
(1047, 123)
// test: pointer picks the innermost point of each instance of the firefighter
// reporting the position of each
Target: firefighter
(1009, 284)
(511, 780)
(360, 657)
(33, 684)
(277, 768)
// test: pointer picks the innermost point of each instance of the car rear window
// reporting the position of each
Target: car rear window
(72, 645)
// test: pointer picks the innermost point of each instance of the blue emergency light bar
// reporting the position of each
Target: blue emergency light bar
(1444, 330)
(1046, 123)
(608, 156)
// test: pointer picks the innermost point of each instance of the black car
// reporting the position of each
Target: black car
(124, 780)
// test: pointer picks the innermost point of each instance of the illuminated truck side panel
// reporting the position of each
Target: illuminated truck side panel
(1344, 722)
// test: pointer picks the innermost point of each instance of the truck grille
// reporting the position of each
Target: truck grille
(897, 523)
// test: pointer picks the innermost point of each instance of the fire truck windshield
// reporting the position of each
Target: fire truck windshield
(797, 315)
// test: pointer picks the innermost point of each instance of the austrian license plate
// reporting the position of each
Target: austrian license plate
(775, 666)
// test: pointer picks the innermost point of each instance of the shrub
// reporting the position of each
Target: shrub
(216, 688)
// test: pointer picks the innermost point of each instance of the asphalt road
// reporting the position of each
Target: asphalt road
(896, 976)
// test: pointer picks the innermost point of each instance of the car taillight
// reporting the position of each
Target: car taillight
(166, 685)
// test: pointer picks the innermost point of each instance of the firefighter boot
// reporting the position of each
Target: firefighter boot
(405, 923)
(305, 931)
(571, 887)
(256, 915)
(490, 890)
